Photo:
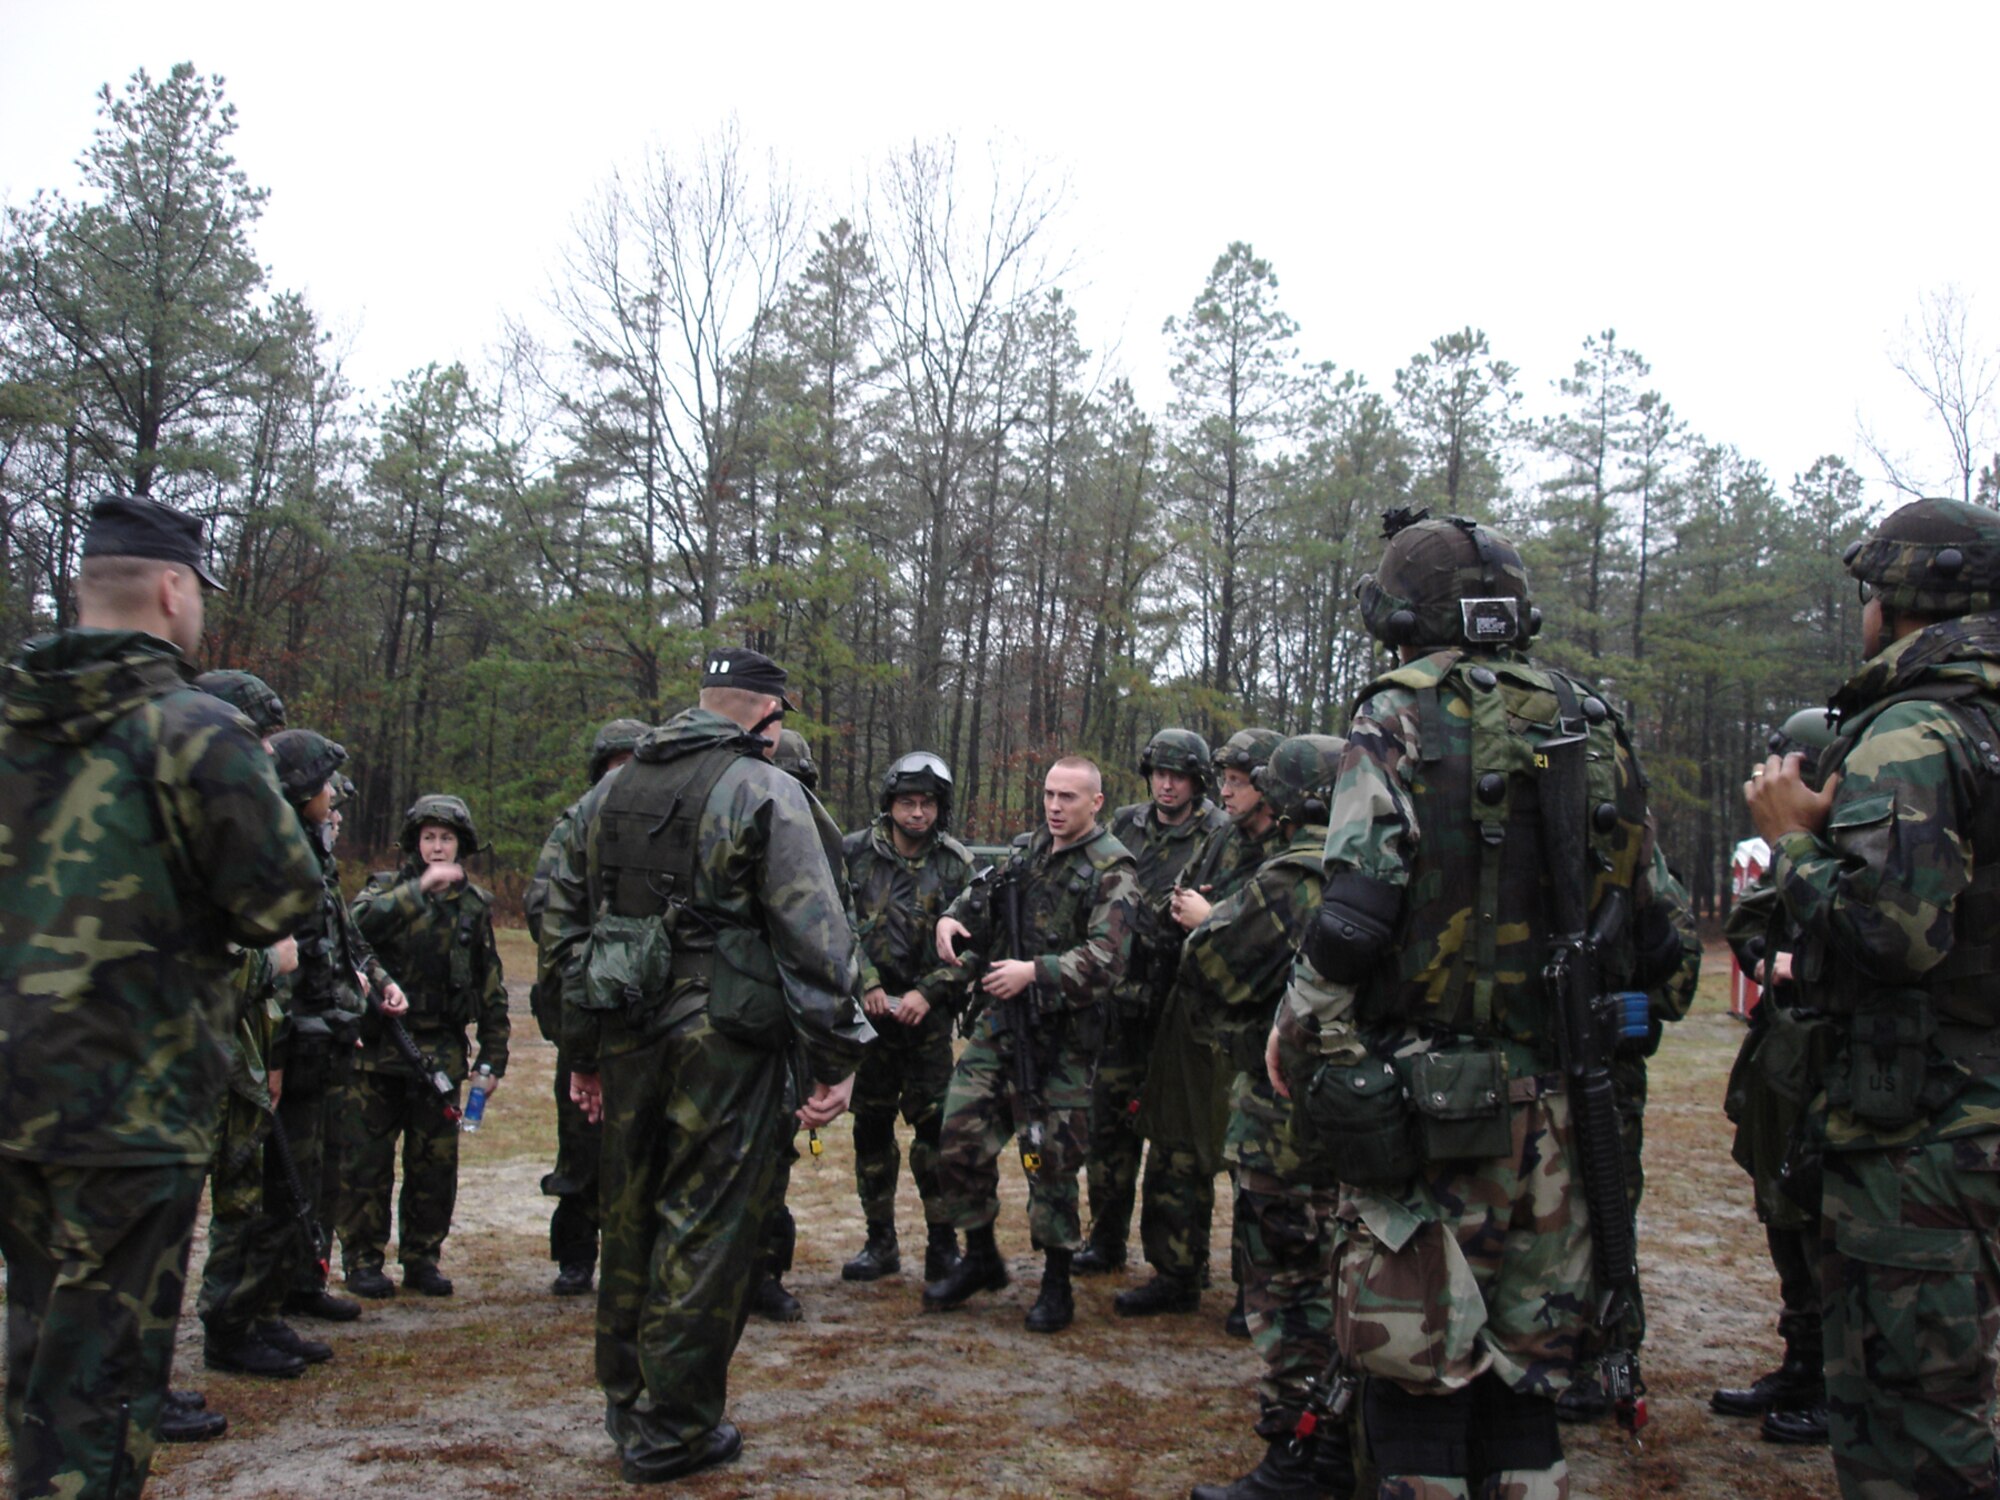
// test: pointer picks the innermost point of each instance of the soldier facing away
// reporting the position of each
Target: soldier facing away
(1889, 872)
(116, 988)
(904, 870)
(700, 933)
(579, 1142)
(1053, 925)
(1424, 967)
(436, 927)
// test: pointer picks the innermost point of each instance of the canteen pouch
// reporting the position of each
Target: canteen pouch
(747, 1003)
(1353, 1125)
(629, 968)
(1879, 1076)
(1461, 1103)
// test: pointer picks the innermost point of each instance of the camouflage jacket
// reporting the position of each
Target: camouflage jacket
(1375, 827)
(545, 999)
(1234, 968)
(322, 1001)
(1162, 854)
(761, 864)
(441, 946)
(1077, 905)
(142, 832)
(1231, 857)
(897, 903)
(1893, 898)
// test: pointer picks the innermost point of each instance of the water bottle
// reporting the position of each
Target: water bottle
(1635, 1017)
(475, 1101)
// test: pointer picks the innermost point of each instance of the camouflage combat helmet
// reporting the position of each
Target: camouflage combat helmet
(919, 771)
(1247, 749)
(306, 762)
(795, 758)
(343, 789)
(1179, 750)
(620, 736)
(249, 694)
(1446, 582)
(1298, 778)
(1932, 557)
(448, 812)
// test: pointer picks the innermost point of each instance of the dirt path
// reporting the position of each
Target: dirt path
(491, 1393)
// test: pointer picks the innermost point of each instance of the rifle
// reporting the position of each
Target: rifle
(1586, 1027)
(320, 1242)
(434, 1079)
(1016, 1017)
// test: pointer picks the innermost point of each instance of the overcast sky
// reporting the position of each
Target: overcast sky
(1754, 196)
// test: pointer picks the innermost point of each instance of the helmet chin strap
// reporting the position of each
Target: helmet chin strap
(775, 716)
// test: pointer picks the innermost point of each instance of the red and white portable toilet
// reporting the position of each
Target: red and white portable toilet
(1747, 864)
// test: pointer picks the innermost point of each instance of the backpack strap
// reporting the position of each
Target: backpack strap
(647, 830)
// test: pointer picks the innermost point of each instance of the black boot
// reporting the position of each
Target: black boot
(1805, 1425)
(878, 1258)
(324, 1305)
(1055, 1308)
(773, 1303)
(980, 1269)
(280, 1336)
(1096, 1258)
(1795, 1383)
(184, 1418)
(425, 1278)
(1163, 1294)
(368, 1281)
(573, 1280)
(941, 1253)
(1285, 1473)
(246, 1354)
(1237, 1324)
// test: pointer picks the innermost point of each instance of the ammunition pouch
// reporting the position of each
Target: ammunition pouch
(1891, 1073)
(629, 966)
(1356, 920)
(1353, 1124)
(1461, 1104)
(746, 1000)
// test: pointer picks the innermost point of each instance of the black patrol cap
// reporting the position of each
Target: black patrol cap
(736, 667)
(124, 526)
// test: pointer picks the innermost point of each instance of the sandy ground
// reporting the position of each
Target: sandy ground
(490, 1392)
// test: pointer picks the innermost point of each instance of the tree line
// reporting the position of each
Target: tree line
(874, 445)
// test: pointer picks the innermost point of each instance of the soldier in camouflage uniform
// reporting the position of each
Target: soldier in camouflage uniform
(250, 695)
(1184, 1101)
(141, 833)
(1769, 1089)
(1890, 874)
(1164, 834)
(905, 870)
(323, 1002)
(573, 1184)
(1233, 973)
(1417, 1035)
(695, 919)
(1076, 888)
(436, 927)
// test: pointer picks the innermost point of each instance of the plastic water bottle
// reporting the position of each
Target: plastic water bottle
(475, 1101)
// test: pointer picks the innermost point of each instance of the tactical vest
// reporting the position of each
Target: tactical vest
(1962, 987)
(1056, 907)
(897, 908)
(439, 961)
(648, 839)
(1472, 938)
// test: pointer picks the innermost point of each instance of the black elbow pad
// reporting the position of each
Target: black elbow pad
(1357, 917)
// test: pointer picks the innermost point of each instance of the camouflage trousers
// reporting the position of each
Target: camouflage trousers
(1177, 1207)
(1479, 1271)
(244, 1244)
(981, 1112)
(1288, 1232)
(309, 1117)
(692, 1133)
(1628, 1092)
(780, 1240)
(1114, 1149)
(573, 1184)
(96, 1266)
(380, 1107)
(1910, 1286)
(906, 1070)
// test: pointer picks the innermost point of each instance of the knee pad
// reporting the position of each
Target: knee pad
(1418, 1434)
(1510, 1430)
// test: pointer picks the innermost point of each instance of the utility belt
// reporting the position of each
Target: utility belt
(1376, 1122)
